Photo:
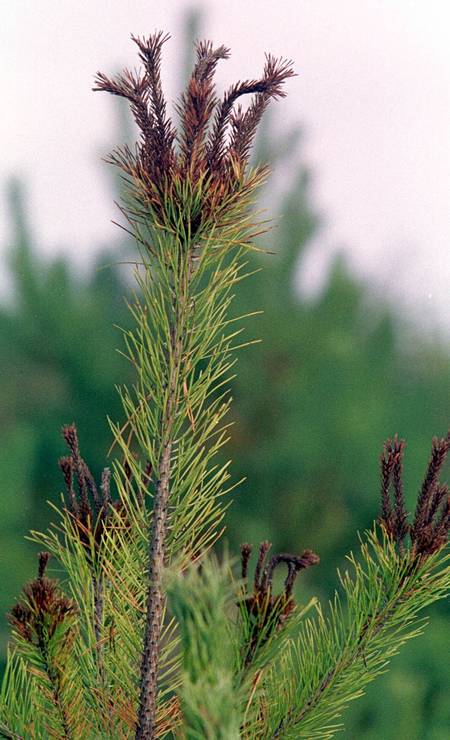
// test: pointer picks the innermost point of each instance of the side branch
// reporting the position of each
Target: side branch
(390, 621)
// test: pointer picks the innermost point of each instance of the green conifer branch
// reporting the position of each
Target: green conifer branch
(44, 623)
(211, 700)
(189, 210)
(16, 707)
(336, 655)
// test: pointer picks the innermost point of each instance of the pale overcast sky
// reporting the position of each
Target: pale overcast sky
(373, 95)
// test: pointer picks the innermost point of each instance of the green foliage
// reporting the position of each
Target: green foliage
(335, 656)
(16, 700)
(206, 341)
(45, 625)
(211, 702)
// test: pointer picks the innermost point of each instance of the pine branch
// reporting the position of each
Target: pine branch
(155, 603)
(89, 525)
(191, 220)
(262, 613)
(44, 624)
(334, 657)
(211, 700)
(16, 706)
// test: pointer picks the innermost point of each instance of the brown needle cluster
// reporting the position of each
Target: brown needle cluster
(192, 176)
(264, 611)
(92, 508)
(429, 531)
(43, 608)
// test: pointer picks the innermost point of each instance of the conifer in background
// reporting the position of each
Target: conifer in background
(113, 658)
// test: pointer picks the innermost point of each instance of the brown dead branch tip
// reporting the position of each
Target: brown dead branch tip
(42, 609)
(92, 508)
(45, 614)
(207, 156)
(264, 612)
(429, 531)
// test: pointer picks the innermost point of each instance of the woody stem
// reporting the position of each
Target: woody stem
(157, 548)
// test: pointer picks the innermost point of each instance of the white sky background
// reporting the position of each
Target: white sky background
(373, 95)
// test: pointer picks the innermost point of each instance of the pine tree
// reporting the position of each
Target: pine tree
(149, 634)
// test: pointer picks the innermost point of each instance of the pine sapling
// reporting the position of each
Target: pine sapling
(149, 634)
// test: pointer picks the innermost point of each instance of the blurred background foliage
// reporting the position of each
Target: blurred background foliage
(333, 377)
